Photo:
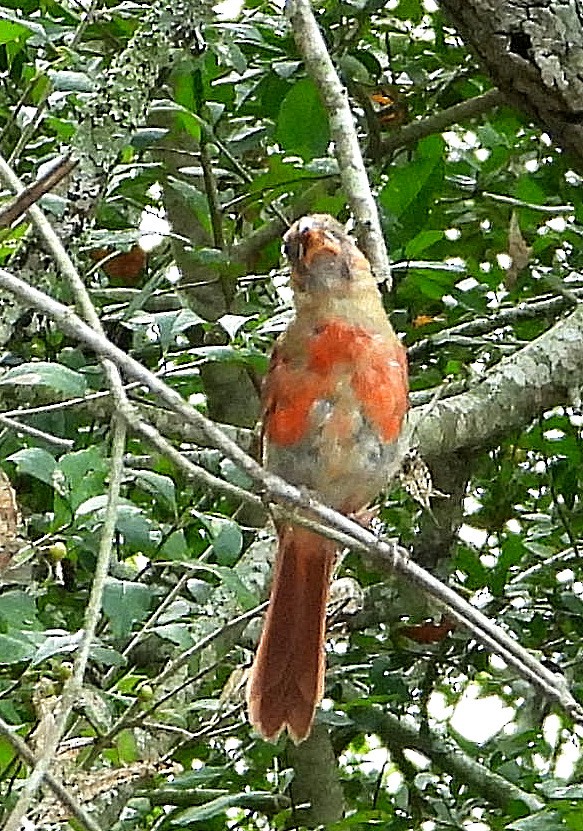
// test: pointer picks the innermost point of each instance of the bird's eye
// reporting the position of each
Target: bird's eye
(293, 249)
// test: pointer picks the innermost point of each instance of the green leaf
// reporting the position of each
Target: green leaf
(411, 10)
(7, 753)
(16, 647)
(146, 137)
(302, 126)
(226, 49)
(28, 25)
(230, 580)
(194, 199)
(18, 610)
(175, 546)
(136, 528)
(42, 373)
(185, 319)
(281, 174)
(190, 778)
(126, 747)
(84, 473)
(56, 645)
(186, 92)
(158, 485)
(546, 820)
(10, 31)
(177, 633)
(66, 80)
(132, 522)
(227, 540)
(36, 462)
(238, 589)
(558, 790)
(409, 188)
(125, 603)
(422, 241)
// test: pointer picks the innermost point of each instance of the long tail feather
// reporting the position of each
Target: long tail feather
(287, 678)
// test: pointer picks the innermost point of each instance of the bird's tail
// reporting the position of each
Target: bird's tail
(287, 678)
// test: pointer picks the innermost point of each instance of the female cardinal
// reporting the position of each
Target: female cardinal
(335, 398)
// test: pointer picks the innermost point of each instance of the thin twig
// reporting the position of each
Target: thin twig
(25, 429)
(171, 670)
(513, 201)
(82, 400)
(58, 789)
(74, 684)
(31, 194)
(526, 310)
(312, 47)
(148, 625)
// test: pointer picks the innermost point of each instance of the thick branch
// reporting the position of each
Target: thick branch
(520, 388)
(493, 787)
(533, 54)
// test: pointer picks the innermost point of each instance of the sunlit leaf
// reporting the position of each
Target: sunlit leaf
(40, 373)
(125, 603)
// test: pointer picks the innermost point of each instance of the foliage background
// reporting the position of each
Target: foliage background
(211, 125)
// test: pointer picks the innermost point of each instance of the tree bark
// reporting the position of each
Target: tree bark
(521, 387)
(316, 781)
(532, 50)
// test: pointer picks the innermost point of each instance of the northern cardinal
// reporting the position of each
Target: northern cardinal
(335, 397)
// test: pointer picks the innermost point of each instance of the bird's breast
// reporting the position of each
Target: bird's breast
(334, 412)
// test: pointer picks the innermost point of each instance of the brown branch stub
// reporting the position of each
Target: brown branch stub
(311, 46)
(31, 194)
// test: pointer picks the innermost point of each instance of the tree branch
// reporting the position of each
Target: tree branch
(440, 121)
(75, 683)
(529, 310)
(519, 388)
(247, 250)
(59, 790)
(31, 194)
(25, 429)
(170, 672)
(311, 46)
(495, 788)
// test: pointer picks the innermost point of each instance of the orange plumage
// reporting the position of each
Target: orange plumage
(334, 402)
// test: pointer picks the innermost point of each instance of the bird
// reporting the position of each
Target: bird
(334, 403)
